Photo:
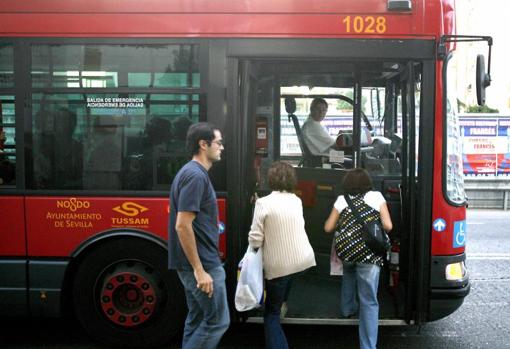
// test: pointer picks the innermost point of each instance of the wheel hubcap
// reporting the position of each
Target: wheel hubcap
(128, 298)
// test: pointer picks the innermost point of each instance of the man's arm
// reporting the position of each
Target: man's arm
(184, 228)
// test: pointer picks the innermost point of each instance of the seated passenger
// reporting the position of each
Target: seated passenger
(180, 126)
(104, 161)
(7, 169)
(145, 166)
(56, 156)
(315, 135)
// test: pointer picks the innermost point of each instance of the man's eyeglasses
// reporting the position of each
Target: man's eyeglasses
(219, 143)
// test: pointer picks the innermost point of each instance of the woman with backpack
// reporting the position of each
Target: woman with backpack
(361, 266)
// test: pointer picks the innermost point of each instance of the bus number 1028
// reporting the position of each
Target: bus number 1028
(365, 24)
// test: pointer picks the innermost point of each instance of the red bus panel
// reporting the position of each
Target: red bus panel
(256, 18)
(68, 221)
(13, 226)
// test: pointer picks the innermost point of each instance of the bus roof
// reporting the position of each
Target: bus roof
(224, 18)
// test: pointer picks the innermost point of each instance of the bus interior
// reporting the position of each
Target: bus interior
(374, 110)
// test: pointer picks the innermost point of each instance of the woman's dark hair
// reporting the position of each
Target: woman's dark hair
(282, 177)
(357, 181)
(202, 131)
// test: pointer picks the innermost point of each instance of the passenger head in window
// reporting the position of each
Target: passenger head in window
(181, 126)
(158, 131)
(178, 144)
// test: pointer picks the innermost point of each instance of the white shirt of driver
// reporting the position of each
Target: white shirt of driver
(316, 137)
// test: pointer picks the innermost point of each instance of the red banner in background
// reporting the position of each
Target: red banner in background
(486, 146)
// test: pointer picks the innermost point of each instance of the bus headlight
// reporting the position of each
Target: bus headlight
(455, 271)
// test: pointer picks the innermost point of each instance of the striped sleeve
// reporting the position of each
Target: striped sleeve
(256, 235)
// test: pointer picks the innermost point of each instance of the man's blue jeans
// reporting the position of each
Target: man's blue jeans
(277, 291)
(363, 280)
(208, 318)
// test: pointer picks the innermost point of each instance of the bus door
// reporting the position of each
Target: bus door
(392, 164)
(410, 252)
(383, 142)
(242, 156)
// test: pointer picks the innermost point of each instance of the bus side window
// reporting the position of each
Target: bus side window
(104, 161)
(7, 141)
(157, 153)
(7, 168)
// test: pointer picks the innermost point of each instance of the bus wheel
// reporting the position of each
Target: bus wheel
(124, 295)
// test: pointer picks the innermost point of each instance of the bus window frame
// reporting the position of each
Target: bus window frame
(14, 91)
(26, 92)
(444, 165)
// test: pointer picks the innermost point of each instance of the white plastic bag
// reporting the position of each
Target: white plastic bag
(250, 286)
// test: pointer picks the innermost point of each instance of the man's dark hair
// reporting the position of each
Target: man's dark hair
(357, 181)
(196, 133)
(316, 101)
(282, 177)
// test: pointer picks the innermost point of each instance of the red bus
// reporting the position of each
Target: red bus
(97, 96)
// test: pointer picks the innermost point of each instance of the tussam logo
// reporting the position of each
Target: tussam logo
(130, 209)
(72, 204)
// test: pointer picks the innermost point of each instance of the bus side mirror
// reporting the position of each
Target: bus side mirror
(483, 80)
(290, 105)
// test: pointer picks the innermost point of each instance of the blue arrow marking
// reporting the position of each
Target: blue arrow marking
(439, 225)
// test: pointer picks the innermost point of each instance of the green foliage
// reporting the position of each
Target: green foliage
(480, 109)
(346, 106)
(343, 105)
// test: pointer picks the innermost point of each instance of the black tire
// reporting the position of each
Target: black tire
(123, 294)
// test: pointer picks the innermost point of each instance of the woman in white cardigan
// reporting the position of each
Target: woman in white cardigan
(279, 227)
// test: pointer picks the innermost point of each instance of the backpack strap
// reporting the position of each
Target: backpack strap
(355, 211)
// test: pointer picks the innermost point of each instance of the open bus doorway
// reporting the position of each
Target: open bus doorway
(376, 105)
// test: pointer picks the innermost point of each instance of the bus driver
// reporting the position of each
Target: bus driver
(315, 135)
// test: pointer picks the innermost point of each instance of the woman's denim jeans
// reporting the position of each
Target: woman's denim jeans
(277, 291)
(363, 280)
(208, 318)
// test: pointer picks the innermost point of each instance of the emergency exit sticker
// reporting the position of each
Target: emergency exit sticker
(459, 234)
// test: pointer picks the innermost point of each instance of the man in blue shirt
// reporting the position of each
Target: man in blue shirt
(193, 241)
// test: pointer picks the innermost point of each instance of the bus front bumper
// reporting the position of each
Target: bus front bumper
(446, 292)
